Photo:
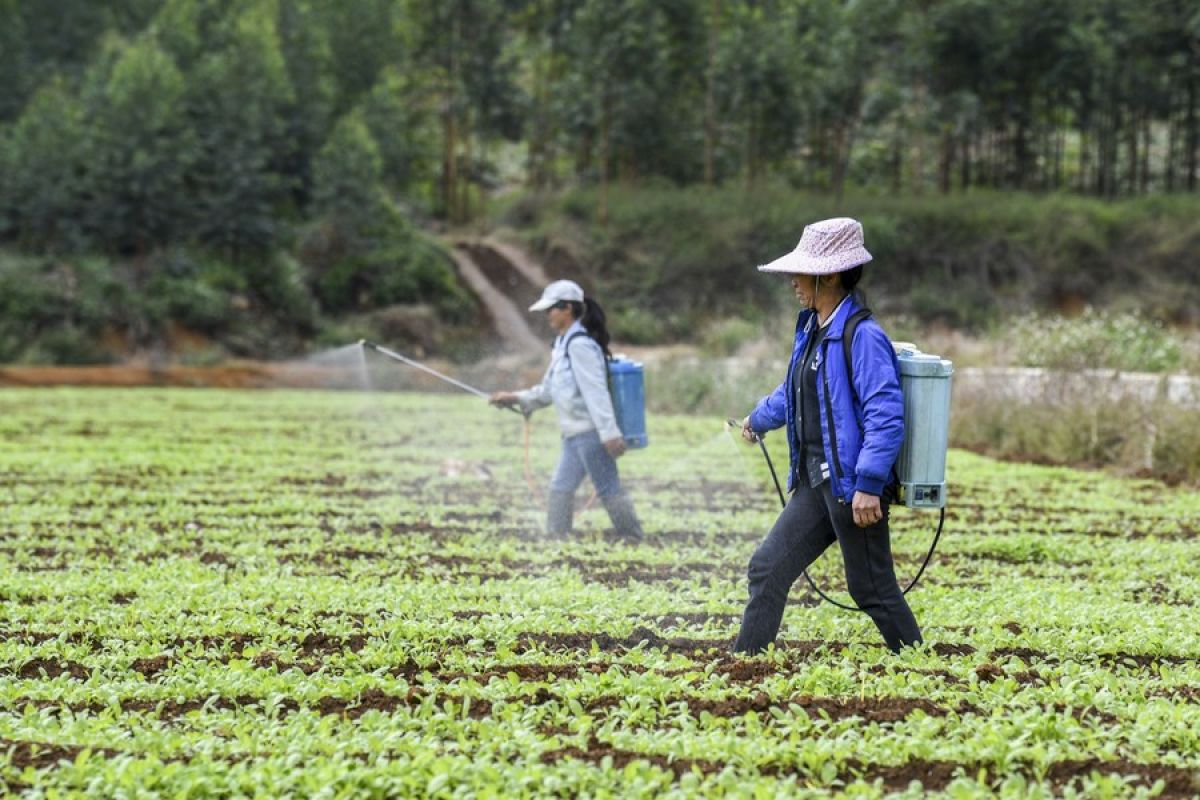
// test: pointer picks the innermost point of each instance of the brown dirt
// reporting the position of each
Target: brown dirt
(527, 672)
(150, 667)
(873, 709)
(267, 660)
(53, 668)
(370, 700)
(40, 755)
(948, 650)
(608, 643)
(237, 375)
(323, 644)
(1177, 782)
(1026, 654)
(989, 672)
(943, 675)
(174, 709)
(596, 751)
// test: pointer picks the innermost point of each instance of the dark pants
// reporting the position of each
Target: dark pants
(812, 520)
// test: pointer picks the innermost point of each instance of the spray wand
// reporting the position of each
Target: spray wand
(392, 354)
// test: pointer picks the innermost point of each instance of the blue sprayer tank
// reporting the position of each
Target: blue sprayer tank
(925, 381)
(628, 386)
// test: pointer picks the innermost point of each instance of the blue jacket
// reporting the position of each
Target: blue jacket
(868, 423)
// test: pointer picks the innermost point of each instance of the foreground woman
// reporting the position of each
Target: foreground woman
(576, 382)
(845, 425)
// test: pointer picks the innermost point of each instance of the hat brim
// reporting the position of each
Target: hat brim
(543, 304)
(800, 264)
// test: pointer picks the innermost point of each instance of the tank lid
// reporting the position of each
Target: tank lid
(620, 363)
(924, 365)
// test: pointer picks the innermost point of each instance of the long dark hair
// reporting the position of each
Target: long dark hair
(592, 316)
(850, 279)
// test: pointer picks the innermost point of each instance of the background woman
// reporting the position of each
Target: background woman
(576, 382)
(844, 438)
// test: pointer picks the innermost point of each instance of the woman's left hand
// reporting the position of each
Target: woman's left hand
(615, 447)
(867, 509)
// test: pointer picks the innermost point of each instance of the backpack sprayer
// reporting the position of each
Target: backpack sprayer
(921, 466)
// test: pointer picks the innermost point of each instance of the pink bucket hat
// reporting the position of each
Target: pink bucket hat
(826, 247)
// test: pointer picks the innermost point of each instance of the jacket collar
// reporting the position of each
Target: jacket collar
(837, 323)
(576, 327)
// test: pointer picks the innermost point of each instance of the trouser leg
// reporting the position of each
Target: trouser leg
(602, 468)
(560, 502)
(624, 519)
(871, 574)
(560, 512)
(800, 535)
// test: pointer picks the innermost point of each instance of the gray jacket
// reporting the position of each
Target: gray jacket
(577, 386)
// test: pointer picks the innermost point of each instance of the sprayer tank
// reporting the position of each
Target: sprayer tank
(925, 381)
(627, 383)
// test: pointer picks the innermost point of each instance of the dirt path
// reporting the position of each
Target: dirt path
(520, 260)
(509, 318)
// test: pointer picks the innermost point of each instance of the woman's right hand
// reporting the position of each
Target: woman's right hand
(503, 399)
(747, 432)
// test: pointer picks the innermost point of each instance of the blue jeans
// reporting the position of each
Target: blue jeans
(811, 522)
(584, 454)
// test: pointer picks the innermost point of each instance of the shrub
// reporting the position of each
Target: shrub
(1094, 340)
(1156, 439)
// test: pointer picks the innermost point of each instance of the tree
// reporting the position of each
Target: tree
(461, 44)
(41, 191)
(237, 99)
(310, 111)
(361, 250)
(139, 149)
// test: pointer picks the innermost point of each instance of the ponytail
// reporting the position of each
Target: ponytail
(591, 315)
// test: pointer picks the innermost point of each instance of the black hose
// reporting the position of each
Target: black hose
(783, 504)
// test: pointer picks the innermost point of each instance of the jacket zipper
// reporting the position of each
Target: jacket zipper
(837, 462)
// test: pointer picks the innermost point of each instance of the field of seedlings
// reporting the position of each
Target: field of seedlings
(318, 594)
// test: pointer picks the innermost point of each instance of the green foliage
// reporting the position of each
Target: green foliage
(403, 130)
(964, 261)
(140, 152)
(238, 95)
(296, 582)
(723, 337)
(43, 156)
(136, 126)
(1094, 340)
(362, 252)
(60, 311)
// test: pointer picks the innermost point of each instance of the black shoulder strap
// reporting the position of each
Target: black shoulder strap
(893, 489)
(848, 342)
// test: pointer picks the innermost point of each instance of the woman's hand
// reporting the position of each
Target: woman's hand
(504, 399)
(747, 432)
(867, 509)
(615, 447)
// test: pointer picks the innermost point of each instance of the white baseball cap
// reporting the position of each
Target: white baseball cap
(556, 293)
